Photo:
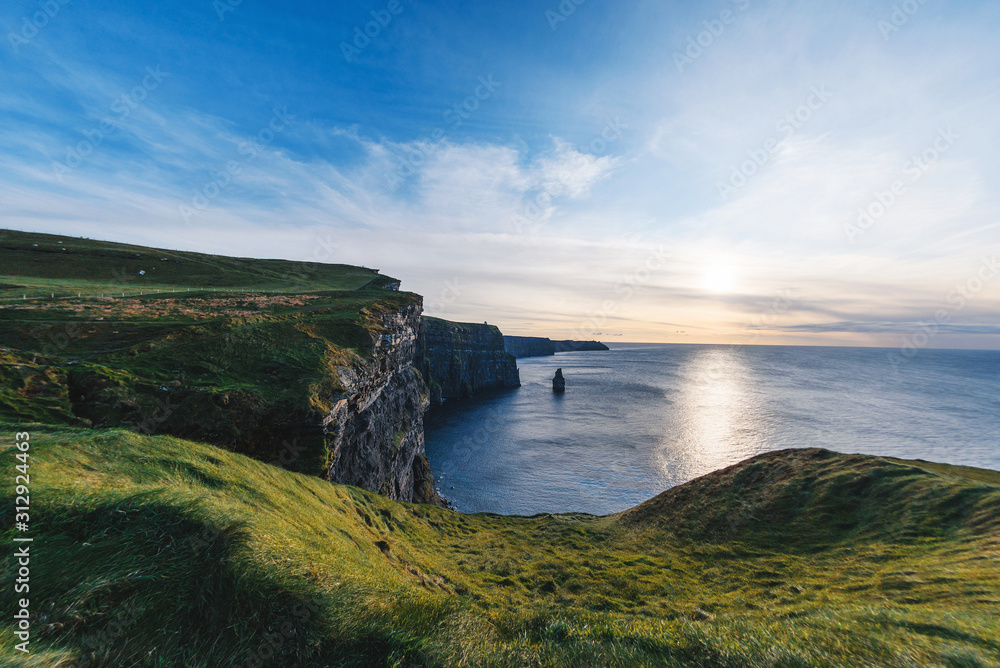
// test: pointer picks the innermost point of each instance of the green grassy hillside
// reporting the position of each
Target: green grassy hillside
(39, 264)
(154, 551)
(236, 352)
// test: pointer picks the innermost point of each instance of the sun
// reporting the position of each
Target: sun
(719, 278)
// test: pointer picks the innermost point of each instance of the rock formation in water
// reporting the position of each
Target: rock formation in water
(457, 360)
(559, 383)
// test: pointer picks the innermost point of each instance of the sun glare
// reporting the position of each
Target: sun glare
(719, 278)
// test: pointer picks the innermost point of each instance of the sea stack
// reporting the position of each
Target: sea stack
(559, 383)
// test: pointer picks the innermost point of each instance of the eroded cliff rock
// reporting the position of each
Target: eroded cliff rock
(578, 346)
(528, 346)
(559, 382)
(457, 360)
(375, 430)
(326, 393)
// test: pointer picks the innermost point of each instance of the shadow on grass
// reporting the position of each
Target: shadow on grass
(144, 579)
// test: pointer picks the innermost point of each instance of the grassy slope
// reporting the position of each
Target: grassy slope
(157, 551)
(39, 263)
(225, 350)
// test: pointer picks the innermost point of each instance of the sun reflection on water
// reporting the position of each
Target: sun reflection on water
(718, 419)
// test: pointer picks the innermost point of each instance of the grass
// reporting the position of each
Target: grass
(156, 551)
(236, 352)
(247, 382)
(38, 264)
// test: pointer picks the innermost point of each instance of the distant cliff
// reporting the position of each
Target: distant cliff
(528, 346)
(458, 360)
(570, 346)
(531, 346)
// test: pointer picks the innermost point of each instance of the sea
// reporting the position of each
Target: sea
(641, 418)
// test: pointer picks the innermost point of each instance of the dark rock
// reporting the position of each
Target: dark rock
(559, 383)
(528, 346)
(375, 430)
(458, 360)
(571, 346)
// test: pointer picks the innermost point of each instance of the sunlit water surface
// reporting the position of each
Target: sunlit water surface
(642, 418)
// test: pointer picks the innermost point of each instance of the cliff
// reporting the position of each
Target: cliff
(358, 421)
(375, 430)
(576, 346)
(458, 360)
(317, 381)
(530, 346)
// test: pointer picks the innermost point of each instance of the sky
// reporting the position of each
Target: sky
(734, 171)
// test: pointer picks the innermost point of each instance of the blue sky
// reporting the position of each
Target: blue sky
(631, 171)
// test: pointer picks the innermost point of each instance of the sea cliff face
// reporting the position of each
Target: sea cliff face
(531, 346)
(359, 421)
(324, 370)
(457, 360)
(375, 430)
(578, 346)
(528, 346)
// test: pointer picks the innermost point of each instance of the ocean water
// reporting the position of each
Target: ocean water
(642, 418)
